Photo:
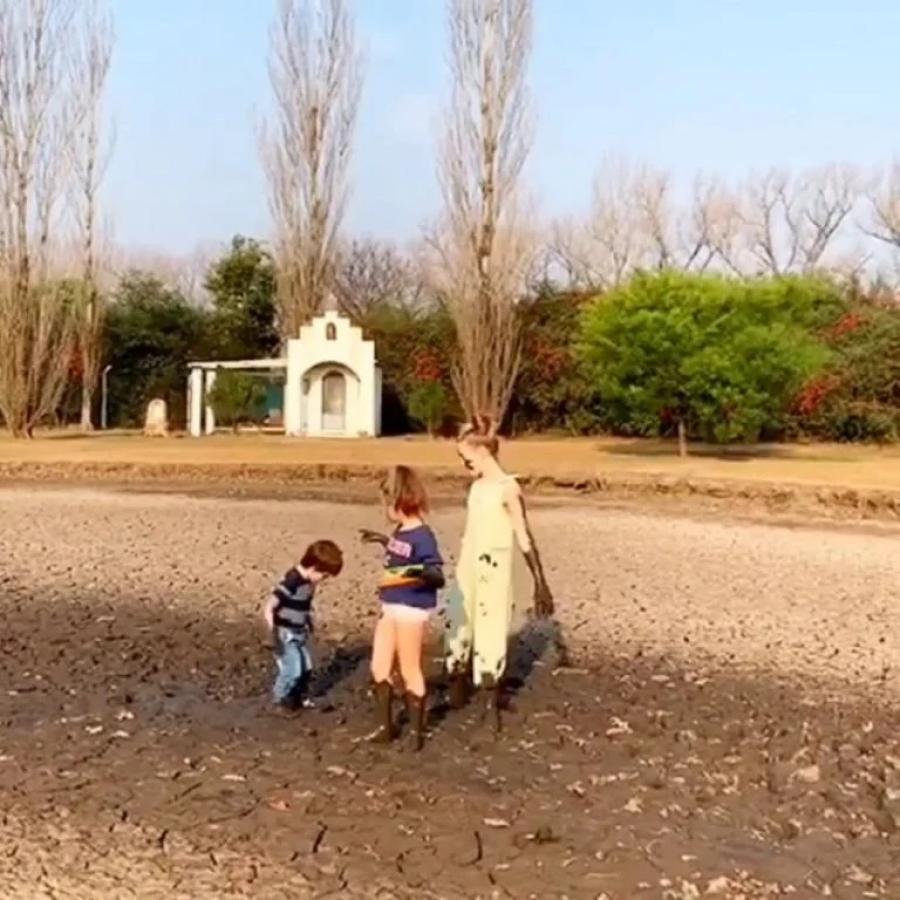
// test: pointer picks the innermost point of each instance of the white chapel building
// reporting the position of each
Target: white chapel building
(332, 382)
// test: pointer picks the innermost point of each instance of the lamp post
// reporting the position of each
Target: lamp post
(104, 397)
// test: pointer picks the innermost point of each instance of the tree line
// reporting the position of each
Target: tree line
(697, 356)
(497, 298)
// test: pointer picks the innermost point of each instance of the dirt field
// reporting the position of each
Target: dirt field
(728, 723)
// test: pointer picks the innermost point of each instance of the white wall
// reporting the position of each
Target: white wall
(312, 356)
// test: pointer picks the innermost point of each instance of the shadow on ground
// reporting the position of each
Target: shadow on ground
(733, 453)
(139, 758)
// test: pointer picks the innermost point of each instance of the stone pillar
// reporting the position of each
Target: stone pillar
(293, 390)
(376, 403)
(209, 381)
(195, 402)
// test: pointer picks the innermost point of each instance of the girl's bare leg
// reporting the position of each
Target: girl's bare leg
(409, 649)
(384, 647)
(410, 636)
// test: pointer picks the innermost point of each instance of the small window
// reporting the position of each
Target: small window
(331, 332)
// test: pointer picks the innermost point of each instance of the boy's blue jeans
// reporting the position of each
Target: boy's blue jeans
(294, 665)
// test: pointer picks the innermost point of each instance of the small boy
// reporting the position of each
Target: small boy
(288, 613)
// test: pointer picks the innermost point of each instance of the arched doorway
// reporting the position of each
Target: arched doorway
(334, 402)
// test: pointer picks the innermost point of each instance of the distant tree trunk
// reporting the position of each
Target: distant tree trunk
(682, 439)
(93, 54)
(87, 407)
(39, 86)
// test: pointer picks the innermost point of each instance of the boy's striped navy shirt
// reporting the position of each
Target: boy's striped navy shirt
(293, 610)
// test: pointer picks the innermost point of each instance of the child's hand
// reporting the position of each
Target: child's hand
(543, 601)
(269, 613)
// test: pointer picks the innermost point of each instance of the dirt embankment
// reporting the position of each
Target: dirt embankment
(341, 481)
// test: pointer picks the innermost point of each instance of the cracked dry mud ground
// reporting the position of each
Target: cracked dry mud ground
(728, 725)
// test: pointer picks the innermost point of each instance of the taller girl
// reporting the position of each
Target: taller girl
(479, 613)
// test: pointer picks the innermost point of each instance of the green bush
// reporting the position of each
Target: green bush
(553, 390)
(152, 332)
(241, 284)
(703, 355)
(237, 398)
(412, 346)
(428, 405)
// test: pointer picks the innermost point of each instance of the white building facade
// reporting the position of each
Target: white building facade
(332, 383)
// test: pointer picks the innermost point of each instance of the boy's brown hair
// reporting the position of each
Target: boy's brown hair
(324, 557)
(403, 491)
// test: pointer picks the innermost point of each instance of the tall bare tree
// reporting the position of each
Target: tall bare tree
(884, 198)
(372, 274)
(316, 75)
(614, 242)
(791, 221)
(634, 223)
(37, 114)
(89, 157)
(774, 223)
(483, 250)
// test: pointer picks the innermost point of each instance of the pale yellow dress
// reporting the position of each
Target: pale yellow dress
(480, 604)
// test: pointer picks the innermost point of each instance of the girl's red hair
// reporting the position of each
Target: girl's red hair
(403, 491)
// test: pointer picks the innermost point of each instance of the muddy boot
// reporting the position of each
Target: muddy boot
(416, 707)
(384, 698)
(458, 691)
(491, 691)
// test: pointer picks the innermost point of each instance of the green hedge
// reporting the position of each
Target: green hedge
(719, 359)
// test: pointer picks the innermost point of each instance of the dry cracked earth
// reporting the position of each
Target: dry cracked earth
(724, 719)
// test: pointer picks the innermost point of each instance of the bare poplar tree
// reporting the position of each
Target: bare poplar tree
(37, 111)
(89, 157)
(483, 251)
(316, 76)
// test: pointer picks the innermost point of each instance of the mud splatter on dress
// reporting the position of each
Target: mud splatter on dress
(480, 603)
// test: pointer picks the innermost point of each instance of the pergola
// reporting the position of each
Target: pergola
(202, 377)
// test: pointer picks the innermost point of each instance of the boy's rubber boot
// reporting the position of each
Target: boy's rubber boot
(416, 707)
(384, 699)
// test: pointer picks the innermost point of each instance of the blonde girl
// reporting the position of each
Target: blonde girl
(480, 609)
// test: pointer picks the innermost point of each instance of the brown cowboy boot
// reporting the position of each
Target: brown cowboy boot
(384, 698)
(416, 706)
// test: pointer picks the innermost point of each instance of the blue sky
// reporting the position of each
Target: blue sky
(721, 86)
